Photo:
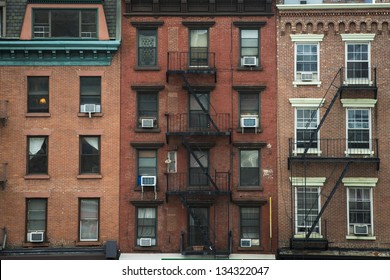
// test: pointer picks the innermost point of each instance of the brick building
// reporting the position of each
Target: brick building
(198, 128)
(59, 134)
(333, 79)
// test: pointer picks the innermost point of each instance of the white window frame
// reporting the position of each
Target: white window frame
(354, 39)
(306, 39)
(360, 183)
(307, 103)
(313, 183)
(95, 221)
(298, 150)
(358, 104)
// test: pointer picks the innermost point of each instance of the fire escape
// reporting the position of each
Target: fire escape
(202, 185)
(335, 151)
(3, 120)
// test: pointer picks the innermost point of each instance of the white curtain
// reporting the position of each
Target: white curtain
(93, 141)
(35, 144)
(198, 38)
(146, 228)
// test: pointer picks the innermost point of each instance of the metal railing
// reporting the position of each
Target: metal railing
(198, 122)
(335, 148)
(180, 182)
(356, 75)
(196, 61)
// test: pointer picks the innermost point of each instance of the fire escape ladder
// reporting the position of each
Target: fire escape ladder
(206, 112)
(336, 84)
(204, 169)
(198, 223)
(315, 222)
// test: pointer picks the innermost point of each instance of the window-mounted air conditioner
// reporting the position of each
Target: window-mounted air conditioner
(306, 76)
(145, 242)
(147, 123)
(249, 61)
(249, 121)
(148, 181)
(35, 236)
(90, 108)
(246, 243)
(360, 229)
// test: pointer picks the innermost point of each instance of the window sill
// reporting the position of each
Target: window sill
(299, 83)
(35, 244)
(92, 115)
(249, 188)
(147, 68)
(249, 68)
(37, 177)
(147, 249)
(148, 130)
(355, 237)
(37, 115)
(87, 243)
(89, 176)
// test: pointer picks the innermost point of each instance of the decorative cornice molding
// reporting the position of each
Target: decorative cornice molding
(360, 182)
(307, 37)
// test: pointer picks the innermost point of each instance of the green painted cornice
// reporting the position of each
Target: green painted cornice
(66, 1)
(20, 53)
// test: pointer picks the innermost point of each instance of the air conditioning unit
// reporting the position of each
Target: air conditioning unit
(249, 121)
(249, 61)
(148, 181)
(145, 242)
(360, 229)
(246, 243)
(89, 108)
(147, 123)
(35, 236)
(306, 76)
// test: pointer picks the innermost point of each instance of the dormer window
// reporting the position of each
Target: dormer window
(65, 23)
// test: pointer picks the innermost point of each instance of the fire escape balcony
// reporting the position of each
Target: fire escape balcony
(334, 150)
(190, 124)
(194, 62)
(197, 183)
(357, 79)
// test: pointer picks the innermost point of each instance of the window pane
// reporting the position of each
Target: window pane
(249, 168)
(147, 105)
(37, 155)
(147, 163)
(250, 222)
(38, 94)
(249, 104)
(147, 47)
(90, 91)
(65, 23)
(89, 219)
(36, 214)
(89, 155)
(307, 208)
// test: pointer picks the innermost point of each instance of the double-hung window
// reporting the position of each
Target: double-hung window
(146, 226)
(198, 52)
(89, 154)
(199, 167)
(249, 47)
(307, 203)
(38, 95)
(36, 219)
(89, 219)
(147, 47)
(306, 122)
(199, 117)
(250, 226)
(65, 23)
(90, 94)
(147, 163)
(358, 130)
(147, 109)
(249, 110)
(360, 211)
(37, 161)
(307, 58)
(249, 168)
(199, 225)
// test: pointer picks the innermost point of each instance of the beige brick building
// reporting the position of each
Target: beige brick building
(332, 130)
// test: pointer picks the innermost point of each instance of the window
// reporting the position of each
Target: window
(249, 49)
(172, 162)
(307, 203)
(306, 62)
(36, 216)
(38, 95)
(199, 167)
(65, 23)
(89, 219)
(358, 130)
(199, 111)
(90, 94)
(147, 47)
(37, 161)
(358, 63)
(306, 122)
(249, 168)
(249, 109)
(147, 109)
(198, 232)
(89, 154)
(146, 226)
(147, 163)
(359, 211)
(198, 56)
(250, 224)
